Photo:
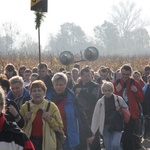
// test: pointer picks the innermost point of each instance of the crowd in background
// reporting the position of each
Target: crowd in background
(76, 105)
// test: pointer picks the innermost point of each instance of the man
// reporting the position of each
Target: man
(43, 75)
(87, 92)
(11, 137)
(132, 94)
(18, 93)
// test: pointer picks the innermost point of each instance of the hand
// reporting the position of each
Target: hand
(28, 116)
(90, 139)
(12, 110)
(118, 87)
(46, 115)
(134, 88)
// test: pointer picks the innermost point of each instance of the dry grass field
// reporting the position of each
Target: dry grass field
(113, 62)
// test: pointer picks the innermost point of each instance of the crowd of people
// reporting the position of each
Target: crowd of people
(71, 110)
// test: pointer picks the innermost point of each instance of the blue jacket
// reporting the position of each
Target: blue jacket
(145, 88)
(71, 119)
(21, 100)
(72, 127)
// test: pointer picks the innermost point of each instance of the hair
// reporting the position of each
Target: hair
(4, 82)
(34, 75)
(16, 79)
(42, 65)
(34, 70)
(107, 83)
(21, 68)
(38, 84)
(2, 99)
(28, 71)
(147, 67)
(86, 69)
(126, 67)
(76, 66)
(75, 70)
(69, 73)
(10, 67)
(60, 76)
(137, 72)
(61, 69)
(104, 70)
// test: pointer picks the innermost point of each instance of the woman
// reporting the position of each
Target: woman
(11, 137)
(103, 111)
(10, 70)
(70, 113)
(40, 122)
(75, 75)
(138, 77)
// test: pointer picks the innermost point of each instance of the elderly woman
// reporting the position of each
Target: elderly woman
(105, 107)
(70, 112)
(11, 137)
(41, 119)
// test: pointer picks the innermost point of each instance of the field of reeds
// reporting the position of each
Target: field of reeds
(113, 62)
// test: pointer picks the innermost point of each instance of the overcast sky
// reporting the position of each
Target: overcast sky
(85, 13)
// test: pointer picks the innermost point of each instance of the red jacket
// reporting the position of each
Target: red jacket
(133, 97)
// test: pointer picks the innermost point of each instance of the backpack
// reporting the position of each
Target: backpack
(60, 136)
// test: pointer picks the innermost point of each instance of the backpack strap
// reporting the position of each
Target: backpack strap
(28, 106)
(48, 106)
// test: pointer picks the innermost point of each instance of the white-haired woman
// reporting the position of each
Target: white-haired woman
(102, 117)
(70, 111)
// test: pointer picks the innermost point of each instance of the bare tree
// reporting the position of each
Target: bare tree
(127, 17)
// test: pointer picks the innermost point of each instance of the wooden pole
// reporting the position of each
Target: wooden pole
(39, 45)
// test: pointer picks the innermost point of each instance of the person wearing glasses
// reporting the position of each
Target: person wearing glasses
(132, 93)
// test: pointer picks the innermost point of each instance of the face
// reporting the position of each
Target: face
(136, 76)
(26, 76)
(17, 89)
(147, 72)
(33, 78)
(37, 95)
(125, 74)
(59, 86)
(86, 77)
(103, 75)
(75, 75)
(9, 73)
(21, 72)
(107, 91)
(42, 72)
